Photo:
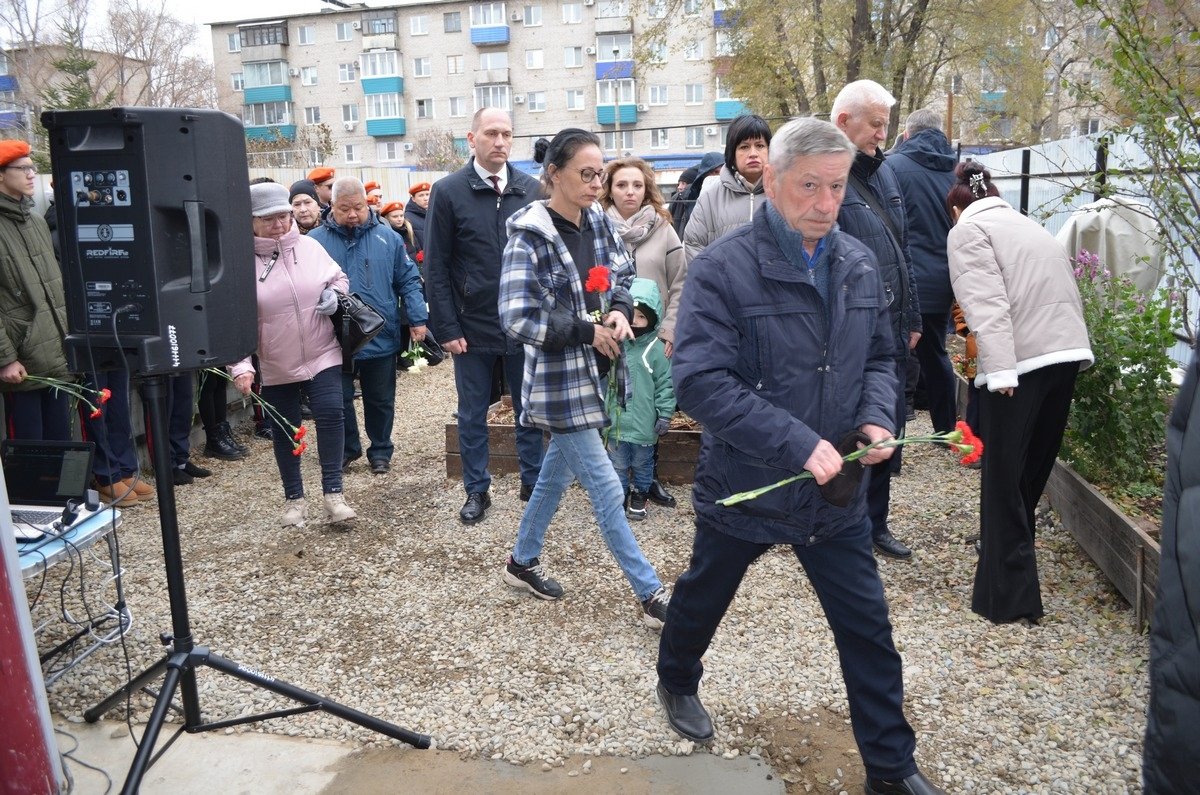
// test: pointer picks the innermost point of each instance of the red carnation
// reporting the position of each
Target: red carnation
(299, 434)
(105, 395)
(597, 280)
(420, 257)
(971, 447)
(95, 415)
(300, 448)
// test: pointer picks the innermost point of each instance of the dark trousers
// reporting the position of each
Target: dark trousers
(38, 415)
(1022, 435)
(211, 402)
(940, 384)
(116, 457)
(180, 411)
(843, 573)
(473, 378)
(378, 379)
(879, 476)
(324, 393)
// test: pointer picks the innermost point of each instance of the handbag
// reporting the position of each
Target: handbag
(434, 352)
(355, 323)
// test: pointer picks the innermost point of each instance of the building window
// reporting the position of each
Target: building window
(572, 56)
(458, 107)
(312, 115)
(390, 150)
(424, 108)
(725, 43)
(454, 65)
(1090, 126)
(346, 72)
(380, 64)
(419, 26)
(235, 42)
(379, 22)
(533, 16)
(349, 112)
(695, 137)
(422, 67)
(724, 90)
(609, 9)
(383, 106)
(611, 142)
(693, 8)
(659, 138)
(658, 95)
(351, 153)
(306, 34)
(493, 60)
(239, 82)
(610, 92)
(693, 94)
(264, 73)
(1053, 34)
(618, 47)
(487, 14)
(574, 99)
(534, 59)
(721, 5)
(314, 158)
(343, 31)
(657, 9)
(263, 113)
(261, 35)
(572, 13)
(694, 51)
(452, 22)
(308, 76)
(536, 101)
(657, 52)
(495, 96)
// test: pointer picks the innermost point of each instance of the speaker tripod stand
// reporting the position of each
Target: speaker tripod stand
(180, 664)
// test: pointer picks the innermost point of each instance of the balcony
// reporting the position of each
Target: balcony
(379, 41)
(614, 25)
(385, 127)
(993, 101)
(264, 52)
(271, 132)
(728, 109)
(724, 19)
(607, 114)
(252, 96)
(614, 70)
(486, 77)
(382, 85)
(486, 36)
(8, 83)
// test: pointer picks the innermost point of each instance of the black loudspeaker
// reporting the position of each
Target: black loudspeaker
(154, 214)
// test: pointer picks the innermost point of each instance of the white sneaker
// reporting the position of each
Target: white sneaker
(293, 513)
(336, 509)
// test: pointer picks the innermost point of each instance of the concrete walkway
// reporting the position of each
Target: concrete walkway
(267, 764)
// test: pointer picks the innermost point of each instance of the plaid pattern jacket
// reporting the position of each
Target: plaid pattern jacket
(541, 305)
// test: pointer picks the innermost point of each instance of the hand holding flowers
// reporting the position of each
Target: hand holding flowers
(81, 393)
(297, 433)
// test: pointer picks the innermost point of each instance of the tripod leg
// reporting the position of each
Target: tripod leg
(137, 683)
(305, 697)
(141, 761)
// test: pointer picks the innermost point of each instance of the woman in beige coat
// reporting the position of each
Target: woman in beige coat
(1015, 285)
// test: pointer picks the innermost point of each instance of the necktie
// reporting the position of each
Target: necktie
(496, 184)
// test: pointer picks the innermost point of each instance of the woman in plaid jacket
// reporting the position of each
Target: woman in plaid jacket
(564, 294)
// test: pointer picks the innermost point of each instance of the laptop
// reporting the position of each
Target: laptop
(42, 477)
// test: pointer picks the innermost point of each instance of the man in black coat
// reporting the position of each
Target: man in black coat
(1170, 763)
(414, 212)
(464, 240)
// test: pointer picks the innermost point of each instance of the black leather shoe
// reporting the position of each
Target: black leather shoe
(660, 496)
(686, 715)
(179, 477)
(475, 508)
(887, 545)
(526, 492)
(195, 471)
(217, 446)
(916, 784)
(380, 466)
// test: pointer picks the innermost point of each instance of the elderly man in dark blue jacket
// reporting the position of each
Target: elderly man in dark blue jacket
(873, 213)
(783, 349)
(924, 166)
(374, 258)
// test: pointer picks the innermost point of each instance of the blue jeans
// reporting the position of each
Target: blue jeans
(473, 380)
(325, 400)
(638, 457)
(116, 458)
(582, 454)
(378, 379)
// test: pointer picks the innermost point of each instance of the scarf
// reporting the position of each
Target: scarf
(637, 227)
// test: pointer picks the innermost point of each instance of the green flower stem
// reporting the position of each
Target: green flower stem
(267, 407)
(70, 388)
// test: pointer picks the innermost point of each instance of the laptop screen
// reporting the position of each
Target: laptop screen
(46, 473)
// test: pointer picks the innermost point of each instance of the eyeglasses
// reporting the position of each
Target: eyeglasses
(589, 174)
(277, 218)
(29, 170)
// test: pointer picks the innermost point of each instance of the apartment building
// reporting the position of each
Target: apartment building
(386, 80)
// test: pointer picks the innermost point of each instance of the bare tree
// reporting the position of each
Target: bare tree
(437, 151)
(152, 48)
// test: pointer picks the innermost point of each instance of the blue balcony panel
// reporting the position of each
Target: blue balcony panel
(252, 96)
(384, 127)
(11, 120)
(496, 34)
(993, 101)
(724, 19)
(8, 83)
(269, 132)
(607, 114)
(614, 70)
(727, 109)
(383, 85)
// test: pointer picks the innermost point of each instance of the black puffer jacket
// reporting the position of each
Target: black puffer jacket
(1170, 762)
(415, 215)
(924, 168)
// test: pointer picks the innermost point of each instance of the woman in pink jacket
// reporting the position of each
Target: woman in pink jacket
(1015, 286)
(297, 350)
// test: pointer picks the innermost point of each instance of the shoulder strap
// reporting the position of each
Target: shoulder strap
(868, 195)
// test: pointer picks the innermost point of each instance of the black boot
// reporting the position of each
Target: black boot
(216, 445)
(659, 495)
(227, 433)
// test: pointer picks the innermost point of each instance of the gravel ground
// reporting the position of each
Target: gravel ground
(404, 616)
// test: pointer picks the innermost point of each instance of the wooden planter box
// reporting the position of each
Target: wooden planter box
(677, 450)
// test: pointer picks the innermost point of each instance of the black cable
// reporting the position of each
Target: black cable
(69, 754)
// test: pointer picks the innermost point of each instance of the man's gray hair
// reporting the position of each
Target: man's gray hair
(804, 137)
(922, 119)
(348, 186)
(860, 95)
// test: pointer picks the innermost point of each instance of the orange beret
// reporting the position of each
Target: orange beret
(390, 207)
(319, 175)
(370, 186)
(11, 150)
(418, 188)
